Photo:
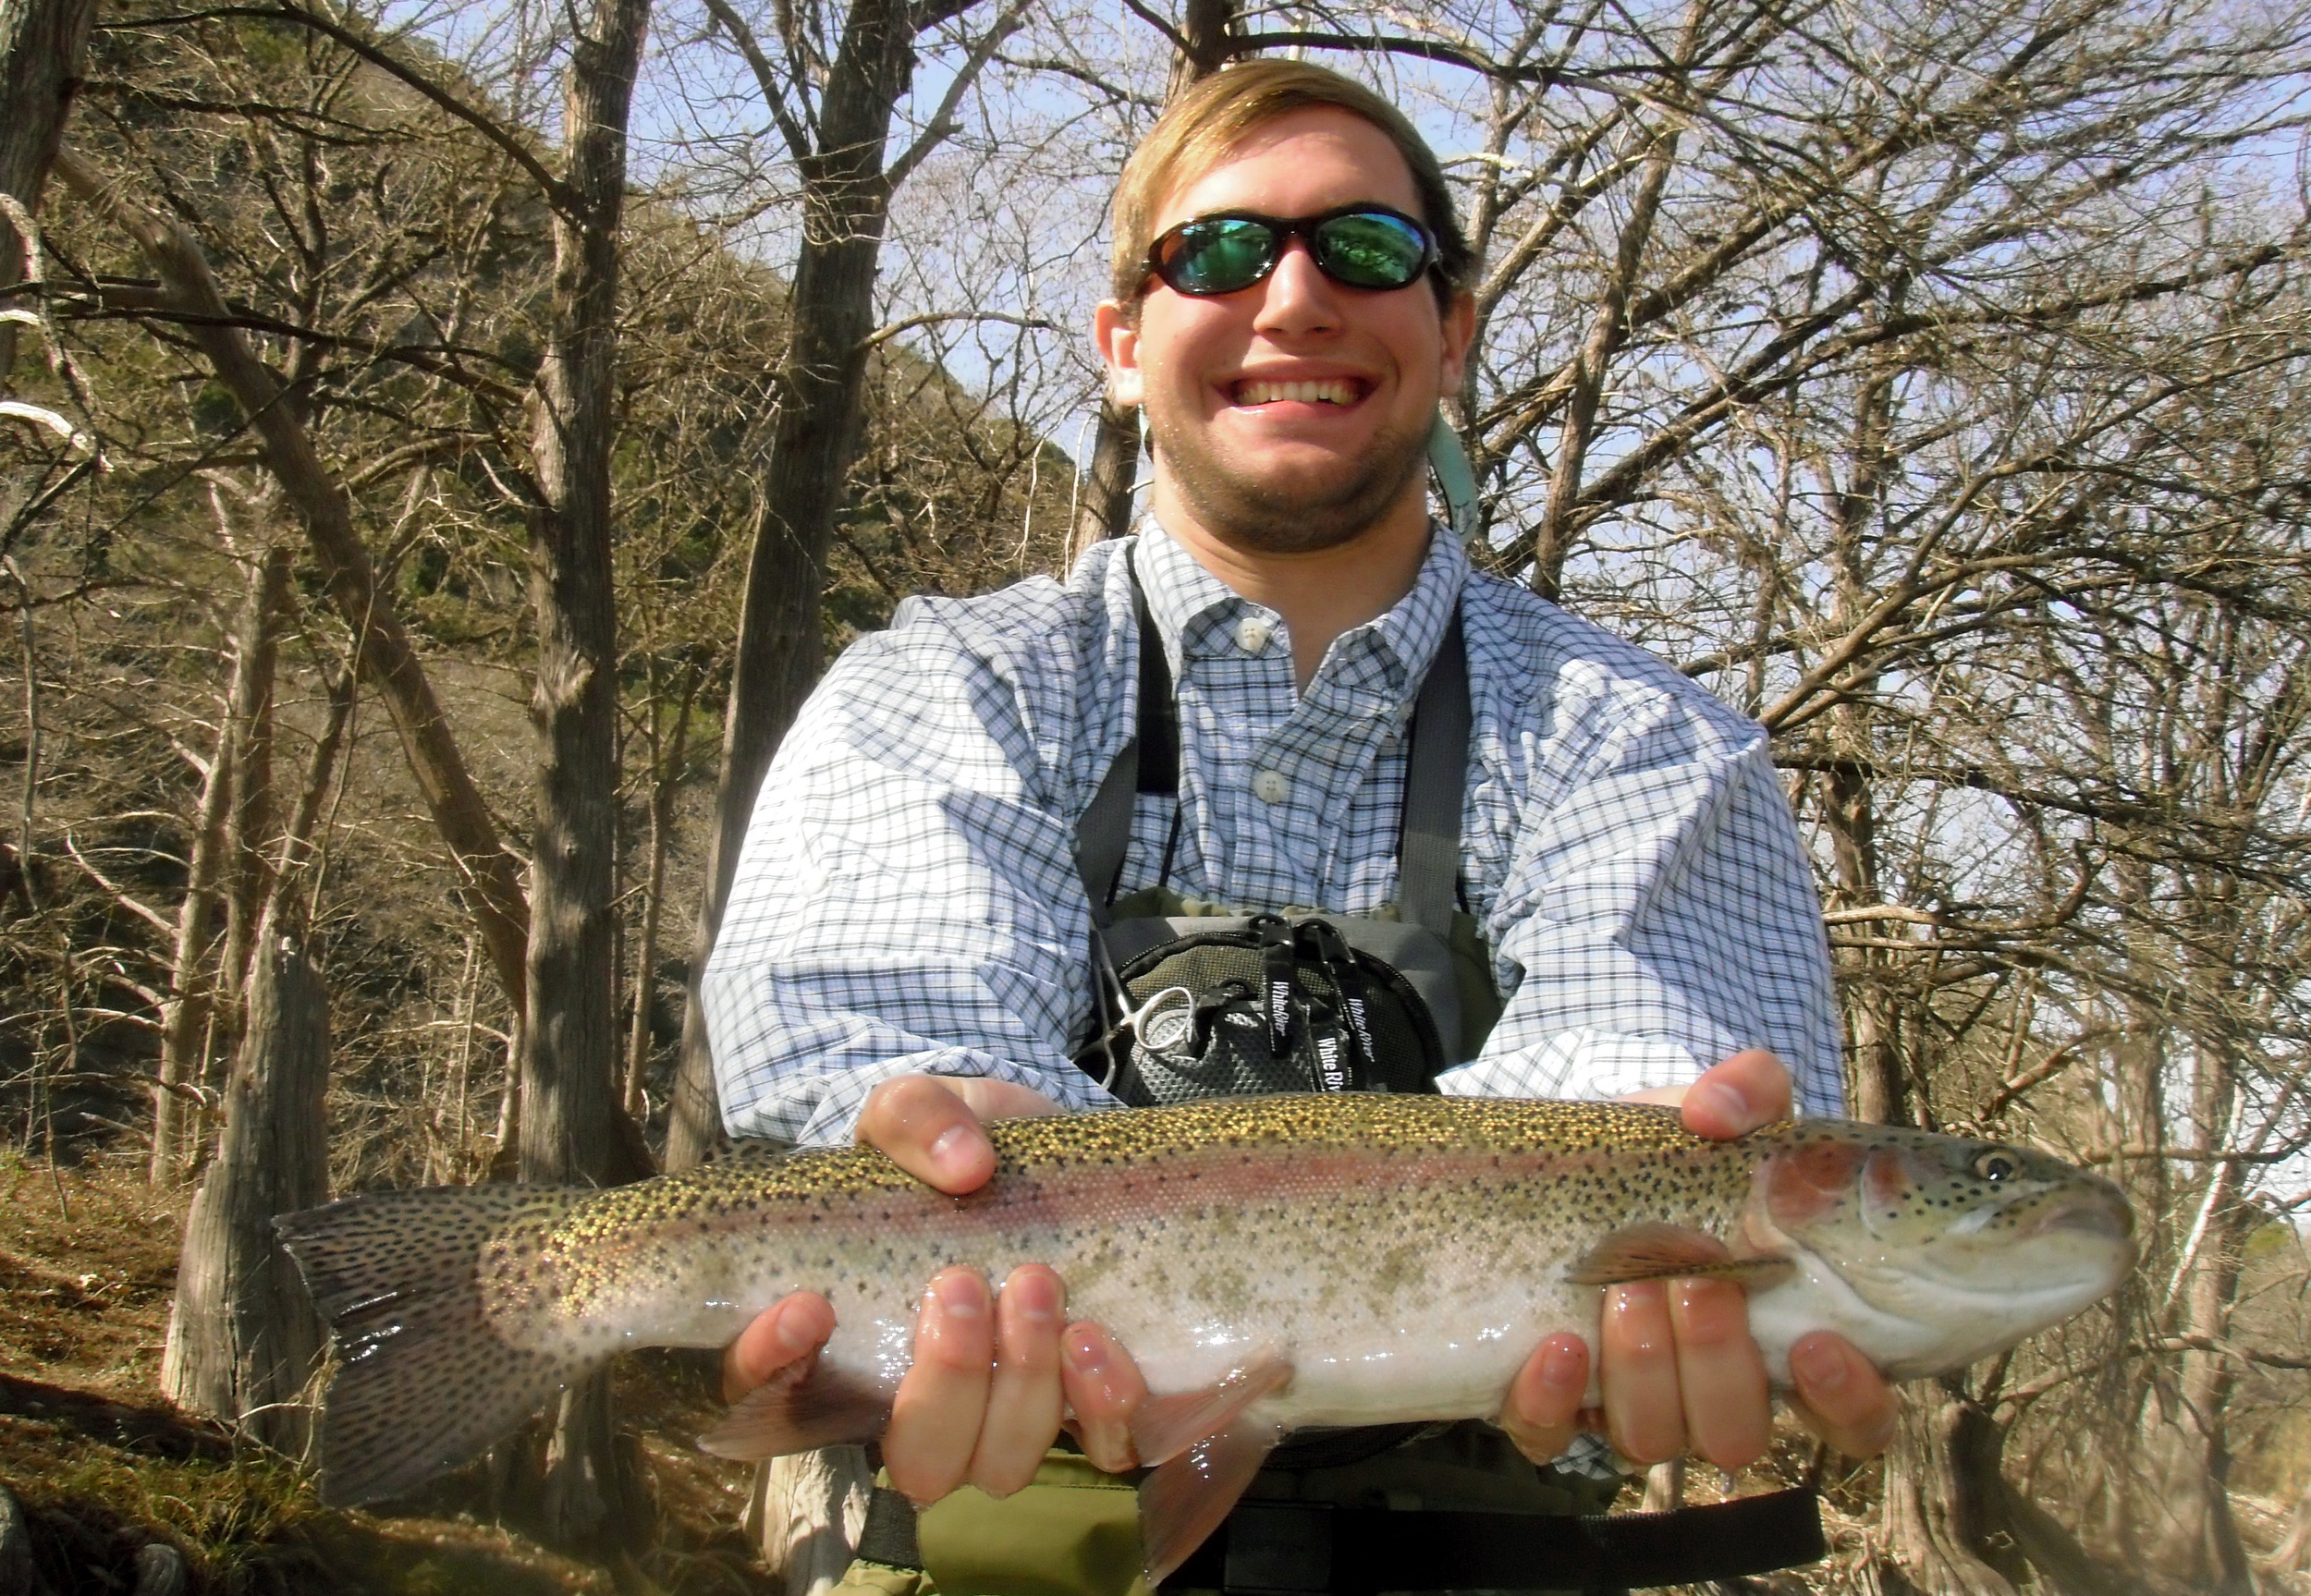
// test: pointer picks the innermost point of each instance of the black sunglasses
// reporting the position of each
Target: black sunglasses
(1358, 246)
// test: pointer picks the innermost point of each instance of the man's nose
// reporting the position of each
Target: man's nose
(1299, 298)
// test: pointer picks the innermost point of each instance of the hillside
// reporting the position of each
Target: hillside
(103, 1465)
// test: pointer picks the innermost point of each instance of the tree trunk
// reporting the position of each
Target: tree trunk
(570, 1048)
(2294, 1555)
(1945, 1508)
(1552, 542)
(571, 1128)
(846, 195)
(2193, 1535)
(249, 817)
(666, 768)
(1881, 1091)
(491, 875)
(808, 1512)
(242, 1337)
(43, 52)
(1104, 508)
(185, 1020)
(1205, 32)
(1942, 1489)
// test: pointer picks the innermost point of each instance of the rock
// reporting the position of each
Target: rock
(16, 1569)
(160, 1570)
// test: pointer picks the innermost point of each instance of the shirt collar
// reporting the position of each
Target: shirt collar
(1193, 610)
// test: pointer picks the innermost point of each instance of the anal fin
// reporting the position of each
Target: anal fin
(805, 1405)
(1657, 1250)
(1184, 1500)
(1166, 1426)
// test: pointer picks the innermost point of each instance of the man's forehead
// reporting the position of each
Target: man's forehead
(1308, 159)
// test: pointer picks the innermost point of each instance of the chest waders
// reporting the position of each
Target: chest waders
(1195, 1001)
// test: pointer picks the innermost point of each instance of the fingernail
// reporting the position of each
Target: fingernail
(793, 1335)
(1724, 1100)
(1698, 1297)
(1565, 1364)
(959, 1296)
(1818, 1366)
(1086, 1353)
(1035, 1296)
(947, 1150)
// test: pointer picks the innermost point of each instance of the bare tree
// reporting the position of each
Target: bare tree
(244, 1341)
(573, 1127)
(833, 101)
(43, 52)
(189, 293)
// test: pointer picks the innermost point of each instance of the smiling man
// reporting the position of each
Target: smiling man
(1001, 829)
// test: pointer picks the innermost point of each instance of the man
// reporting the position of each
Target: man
(904, 955)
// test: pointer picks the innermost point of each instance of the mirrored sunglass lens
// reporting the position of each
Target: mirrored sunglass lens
(1370, 250)
(1221, 256)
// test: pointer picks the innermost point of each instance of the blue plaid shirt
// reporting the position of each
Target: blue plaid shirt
(907, 898)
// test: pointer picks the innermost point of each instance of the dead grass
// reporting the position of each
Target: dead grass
(103, 1465)
(88, 1257)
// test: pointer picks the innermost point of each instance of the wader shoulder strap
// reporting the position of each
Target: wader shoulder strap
(1149, 763)
(1436, 781)
(1428, 845)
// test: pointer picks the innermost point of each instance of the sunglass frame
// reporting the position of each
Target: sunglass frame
(1282, 231)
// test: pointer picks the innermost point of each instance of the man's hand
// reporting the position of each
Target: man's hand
(993, 1373)
(1680, 1372)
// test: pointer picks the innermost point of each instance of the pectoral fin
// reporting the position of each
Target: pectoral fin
(803, 1405)
(1182, 1501)
(1166, 1426)
(1656, 1250)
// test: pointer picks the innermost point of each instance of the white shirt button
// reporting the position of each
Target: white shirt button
(1252, 634)
(1271, 786)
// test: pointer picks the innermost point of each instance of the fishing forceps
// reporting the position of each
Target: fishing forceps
(1162, 1023)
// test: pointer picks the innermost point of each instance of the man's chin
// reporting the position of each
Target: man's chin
(1299, 510)
(1287, 524)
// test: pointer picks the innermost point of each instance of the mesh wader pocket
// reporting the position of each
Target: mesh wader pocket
(1217, 1037)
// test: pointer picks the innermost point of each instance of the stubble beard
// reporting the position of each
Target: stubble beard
(1277, 519)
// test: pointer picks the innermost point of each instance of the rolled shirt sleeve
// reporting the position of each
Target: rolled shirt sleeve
(906, 901)
(1657, 919)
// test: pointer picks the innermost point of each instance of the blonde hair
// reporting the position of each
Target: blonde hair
(1201, 127)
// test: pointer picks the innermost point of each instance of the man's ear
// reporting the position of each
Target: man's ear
(1116, 328)
(1459, 328)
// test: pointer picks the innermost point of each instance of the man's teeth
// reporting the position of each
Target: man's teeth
(1337, 391)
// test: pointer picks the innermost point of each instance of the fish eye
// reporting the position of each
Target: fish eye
(1997, 1164)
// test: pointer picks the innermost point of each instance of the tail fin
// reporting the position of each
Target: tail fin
(422, 1383)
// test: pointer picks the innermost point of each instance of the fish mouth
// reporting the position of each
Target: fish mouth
(2099, 1215)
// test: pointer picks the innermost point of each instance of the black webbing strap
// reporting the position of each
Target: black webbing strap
(1159, 705)
(1148, 763)
(1301, 1548)
(1436, 778)
(888, 1535)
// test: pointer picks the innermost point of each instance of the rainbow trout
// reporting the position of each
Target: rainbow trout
(1272, 1263)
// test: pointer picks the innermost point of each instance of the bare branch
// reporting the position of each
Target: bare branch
(942, 124)
(884, 334)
